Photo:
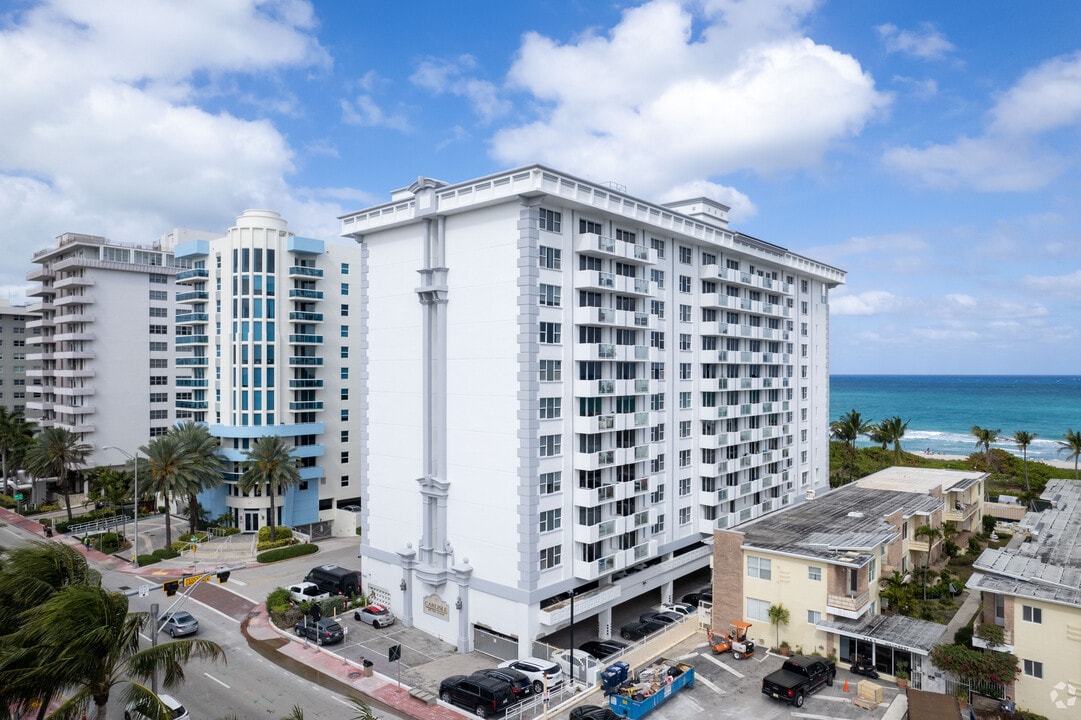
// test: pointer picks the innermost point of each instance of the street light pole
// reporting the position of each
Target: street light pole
(135, 460)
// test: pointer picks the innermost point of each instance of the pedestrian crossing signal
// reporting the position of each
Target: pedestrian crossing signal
(223, 576)
(170, 587)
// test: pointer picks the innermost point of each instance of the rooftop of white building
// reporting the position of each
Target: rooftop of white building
(921, 480)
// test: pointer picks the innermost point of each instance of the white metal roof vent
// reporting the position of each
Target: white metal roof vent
(855, 514)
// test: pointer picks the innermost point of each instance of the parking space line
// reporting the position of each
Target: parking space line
(712, 659)
(809, 716)
(708, 683)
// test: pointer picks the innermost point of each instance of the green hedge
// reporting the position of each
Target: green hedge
(225, 532)
(272, 544)
(145, 560)
(166, 553)
(199, 537)
(7, 501)
(280, 533)
(285, 553)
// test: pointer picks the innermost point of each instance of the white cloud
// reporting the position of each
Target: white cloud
(921, 89)
(927, 43)
(677, 104)
(102, 131)
(365, 112)
(873, 302)
(740, 206)
(1009, 156)
(1061, 286)
(452, 76)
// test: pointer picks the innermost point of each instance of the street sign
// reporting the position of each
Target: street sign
(193, 579)
(144, 590)
(18, 496)
(394, 652)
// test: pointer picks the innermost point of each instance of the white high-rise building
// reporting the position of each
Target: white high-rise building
(268, 341)
(17, 371)
(564, 388)
(105, 317)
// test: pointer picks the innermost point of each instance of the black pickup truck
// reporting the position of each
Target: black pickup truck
(800, 675)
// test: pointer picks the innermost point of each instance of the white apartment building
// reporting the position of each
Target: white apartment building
(14, 352)
(103, 332)
(265, 347)
(564, 388)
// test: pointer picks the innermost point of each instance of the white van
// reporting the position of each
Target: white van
(176, 710)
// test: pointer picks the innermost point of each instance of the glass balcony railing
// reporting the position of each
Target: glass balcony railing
(192, 296)
(306, 339)
(306, 405)
(305, 360)
(300, 293)
(193, 273)
(306, 271)
(306, 316)
(305, 383)
(191, 361)
(192, 340)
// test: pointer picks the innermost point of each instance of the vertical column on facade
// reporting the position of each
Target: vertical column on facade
(434, 547)
(528, 389)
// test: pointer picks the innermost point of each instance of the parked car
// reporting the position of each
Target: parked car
(521, 685)
(602, 649)
(680, 608)
(378, 616)
(323, 631)
(540, 672)
(664, 618)
(593, 712)
(335, 580)
(639, 630)
(704, 594)
(579, 665)
(178, 623)
(800, 675)
(176, 710)
(302, 591)
(483, 695)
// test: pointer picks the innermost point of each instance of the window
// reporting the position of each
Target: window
(657, 278)
(656, 339)
(344, 352)
(814, 617)
(159, 312)
(549, 295)
(550, 333)
(758, 610)
(159, 380)
(154, 279)
(685, 483)
(656, 433)
(656, 464)
(685, 255)
(551, 557)
(759, 568)
(551, 220)
(159, 414)
(684, 428)
(345, 331)
(345, 289)
(345, 268)
(550, 408)
(684, 341)
(658, 245)
(344, 436)
(344, 373)
(684, 400)
(551, 520)
(551, 445)
(1033, 668)
(550, 482)
(159, 363)
(158, 346)
(345, 414)
(345, 393)
(684, 461)
(550, 258)
(656, 402)
(1032, 614)
(345, 457)
(551, 370)
(684, 313)
(684, 371)
(159, 295)
(588, 226)
(159, 330)
(685, 516)
(814, 573)
(157, 432)
(684, 283)
(345, 481)
(159, 397)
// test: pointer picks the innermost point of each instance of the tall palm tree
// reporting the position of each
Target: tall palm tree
(930, 533)
(1023, 439)
(57, 452)
(90, 644)
(890, 431)
(169, 473)
(847, 429)
(207, 463)
(985, 437)
(269, 464)
(1071, 443)
(16, 434)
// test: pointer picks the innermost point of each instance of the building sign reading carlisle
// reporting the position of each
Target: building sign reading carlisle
(437, 606)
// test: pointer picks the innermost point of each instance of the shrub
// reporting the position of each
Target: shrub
(279, 600)
(963, 636)
(280, 533)
(989, 522)
(166, 553)
(966, 663)
(284, 553)
(974, 546)
(271, 544)
(226, 531)
(7, 501)
(199, 537)
(145, 560)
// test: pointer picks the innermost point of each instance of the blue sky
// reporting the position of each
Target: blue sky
(929, 149)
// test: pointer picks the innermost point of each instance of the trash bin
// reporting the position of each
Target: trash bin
(367, 665)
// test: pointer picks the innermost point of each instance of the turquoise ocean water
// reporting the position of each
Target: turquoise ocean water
(941, 409)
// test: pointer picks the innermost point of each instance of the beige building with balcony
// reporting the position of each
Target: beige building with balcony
(823, 561)
(1032, 590)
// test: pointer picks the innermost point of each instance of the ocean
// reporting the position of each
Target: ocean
(941, 409)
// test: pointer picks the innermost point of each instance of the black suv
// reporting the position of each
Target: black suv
(521, 685)
(602, 649)
(483, 695)
(639, 630)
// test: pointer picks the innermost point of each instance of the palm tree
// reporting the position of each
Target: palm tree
(1023, 440)
(90, 643)
(930, 533)
(778, 616)
(207, 464)
(847, 429)
(1071, 443)
(57, 452)
(16, 434)
(890, 431)
(269, 463)
(169, 473)
(985, 438)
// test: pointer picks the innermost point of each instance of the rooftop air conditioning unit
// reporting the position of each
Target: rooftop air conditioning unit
(810, 494)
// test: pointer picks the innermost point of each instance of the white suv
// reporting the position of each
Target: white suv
(176, 710)
(537, 670)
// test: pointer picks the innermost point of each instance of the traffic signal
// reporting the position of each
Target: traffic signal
(223, 576)
(170, 587)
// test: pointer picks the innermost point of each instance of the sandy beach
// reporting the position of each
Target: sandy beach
(1067, 465)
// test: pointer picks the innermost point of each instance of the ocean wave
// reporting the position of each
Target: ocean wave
(952, 443)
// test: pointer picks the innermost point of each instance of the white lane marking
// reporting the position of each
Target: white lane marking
(217, 681)
(809, 716)
(708, 683)
(720, 664)
(343, 702)
(688, 655)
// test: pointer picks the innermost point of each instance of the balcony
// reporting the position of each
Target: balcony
(1007, 639)
(191, 382)
(591, 570)
(72, 281)
(191, 404)
(306, 406)
(305, 317)
(70, 391)
(305, 383)
(591, 497)
(73, 355)
(305, 360)
(193, 296)
(303, 294)
(69, 300)
(188, 318)
(595, 316)
(192, 340)
(40, 273)
(850, 606)
(594, 280)
(600, 531)
(593, 461)
(193, 274)
(959, 512)
(81, 373)
(304, 271)
(306, 339)
(606, 247)
(198, 361)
